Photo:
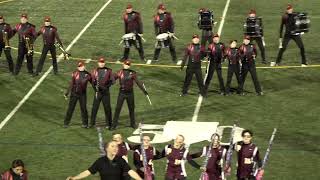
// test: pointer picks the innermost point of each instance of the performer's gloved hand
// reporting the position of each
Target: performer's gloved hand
(203, 169)
(177, 162)
(169, 150)
(140, 34)
(65, 96)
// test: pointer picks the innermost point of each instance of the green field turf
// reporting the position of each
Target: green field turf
(290, 103)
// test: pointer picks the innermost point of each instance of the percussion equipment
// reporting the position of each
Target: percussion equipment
(162, 40)
(253, 27)
(301, 23)
(128, 40)
(205, 19)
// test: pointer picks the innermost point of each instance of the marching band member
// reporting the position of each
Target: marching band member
(233, 56)
(151, 154)
(133, 24)
(216, 155)
(5, 35)
(177, 155)
(193, 55)
(288, 22)
(127, 78)
(78, 92)
(102, 79)
(163, 23)
(248, 157)
(216, 55)
(27, 35)
(50, 35)
(259, 39)
(16, 172)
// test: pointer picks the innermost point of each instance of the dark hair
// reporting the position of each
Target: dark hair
(246, 131)
(17, 163)
(233, 41)
(106, 144)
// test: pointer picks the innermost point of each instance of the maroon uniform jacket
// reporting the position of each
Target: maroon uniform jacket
(25, 30)
(233, 55)
(4, 27)
(216, 158)
(79, 81)
(124, 148)
(163, 23)
(102, 78)
(151, 153)
(176, 171)
(193, 54)
(247, 152)
(9, 175)
(49, 34)
(216, 52)
(248, 53)
(132, 22)
(127, 77)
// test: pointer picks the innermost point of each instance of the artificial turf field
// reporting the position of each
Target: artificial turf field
(291, 100)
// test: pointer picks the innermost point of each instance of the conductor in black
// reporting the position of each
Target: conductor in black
(205, 23)
(288, 20)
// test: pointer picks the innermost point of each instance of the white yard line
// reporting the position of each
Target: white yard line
(37, 84)
(200, 99)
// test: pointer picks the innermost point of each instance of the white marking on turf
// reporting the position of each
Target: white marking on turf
(200, 99)
(35, 86)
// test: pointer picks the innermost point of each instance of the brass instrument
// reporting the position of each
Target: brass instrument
(5, 40)
(29, 46)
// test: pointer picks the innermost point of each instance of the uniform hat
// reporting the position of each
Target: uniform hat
(24, 15)
(216, 35)
(127, 62)
(47, 19)
(252, 11)
(246, 37)
(162, 7)
(129, 6)
(101, 60)
(195, 36)
(289, 6)
(80, 63)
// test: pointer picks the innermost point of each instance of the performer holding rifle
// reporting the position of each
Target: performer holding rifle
(5, 35)
(260, 172)
(127, 78)
(143, 157)
(50, 35)
(193, 55)
(163, 23)
(27, 35)
(248, 157)
(214, 156)
(102, 79)
(177, 155)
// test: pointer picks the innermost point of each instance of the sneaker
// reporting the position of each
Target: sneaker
(65, 126)
(260, 94)
(304, 65)
(183, 94)
(84, 126)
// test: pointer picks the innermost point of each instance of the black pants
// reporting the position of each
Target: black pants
(249, 67)
(206, 36)
(138, 46)
(129, 97)
(83, 107)
(168, 178)
(189, 74)
(53, 53)
(172, 51)
(105, 98)
(23, 52)
(285, 42)
(7, 52)
(232, 69)
(214, 67)
(261, 47)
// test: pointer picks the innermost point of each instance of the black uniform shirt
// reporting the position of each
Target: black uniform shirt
(110, 169)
